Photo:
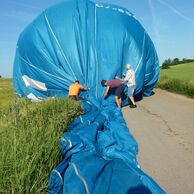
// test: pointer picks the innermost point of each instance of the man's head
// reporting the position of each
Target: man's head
(103, 82)
(76, 81)
(128, 66)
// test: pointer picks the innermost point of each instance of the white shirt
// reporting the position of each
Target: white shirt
(130, 78)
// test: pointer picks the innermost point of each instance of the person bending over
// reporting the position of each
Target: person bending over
(118, 85)
(74, 90)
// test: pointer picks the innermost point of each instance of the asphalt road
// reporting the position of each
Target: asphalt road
(163, 126)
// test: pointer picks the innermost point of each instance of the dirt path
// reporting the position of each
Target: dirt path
(163, 126)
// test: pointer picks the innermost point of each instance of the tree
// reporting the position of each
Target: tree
(166, 64)
(175, 61)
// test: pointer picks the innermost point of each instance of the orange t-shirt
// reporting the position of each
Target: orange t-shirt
(74, 89)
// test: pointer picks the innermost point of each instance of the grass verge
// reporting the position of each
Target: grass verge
(29, 142)
(176, 85)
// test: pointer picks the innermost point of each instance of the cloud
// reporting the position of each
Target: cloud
(191, 33)
(19, 15)
(18, 11)
(25, 5)
(176, 11)
(154, 21)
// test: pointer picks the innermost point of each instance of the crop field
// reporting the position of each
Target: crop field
(178, 79)
(29, 139)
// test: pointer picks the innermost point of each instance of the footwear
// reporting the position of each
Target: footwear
(133, 106)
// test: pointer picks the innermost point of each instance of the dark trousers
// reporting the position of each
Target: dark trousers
(74, 97)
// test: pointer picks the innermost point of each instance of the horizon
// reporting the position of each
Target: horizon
(169, 24)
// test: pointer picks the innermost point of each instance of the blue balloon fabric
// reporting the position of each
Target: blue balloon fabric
(100, 156)
(87, 41)
(81, 40)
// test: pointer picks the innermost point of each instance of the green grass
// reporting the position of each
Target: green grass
(29, 141)
(6, 91)
(183, 72)
(178, 79)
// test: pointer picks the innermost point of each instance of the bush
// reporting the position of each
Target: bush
(166, 64)
(177, 86)
(29, 142)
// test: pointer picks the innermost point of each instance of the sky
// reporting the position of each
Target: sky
(170, 24)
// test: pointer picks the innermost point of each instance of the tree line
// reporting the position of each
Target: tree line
(170, 62)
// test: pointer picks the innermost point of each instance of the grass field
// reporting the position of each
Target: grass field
(178, 79)
(29, 139)
(183, 72)
(6, 91)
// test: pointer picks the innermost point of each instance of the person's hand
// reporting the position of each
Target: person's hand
(124, 74)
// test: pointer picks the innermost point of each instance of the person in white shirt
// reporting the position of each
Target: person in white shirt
(130, 80)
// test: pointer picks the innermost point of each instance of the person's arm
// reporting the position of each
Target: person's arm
(106, 91)
(127, 76)
(84, 88)
(133, 75)
(119, 78)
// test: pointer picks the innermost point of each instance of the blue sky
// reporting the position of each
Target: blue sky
(170, 24)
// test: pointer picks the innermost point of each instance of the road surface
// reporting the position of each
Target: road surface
(163, 126)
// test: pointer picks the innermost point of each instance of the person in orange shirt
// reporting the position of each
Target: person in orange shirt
(74, 90)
